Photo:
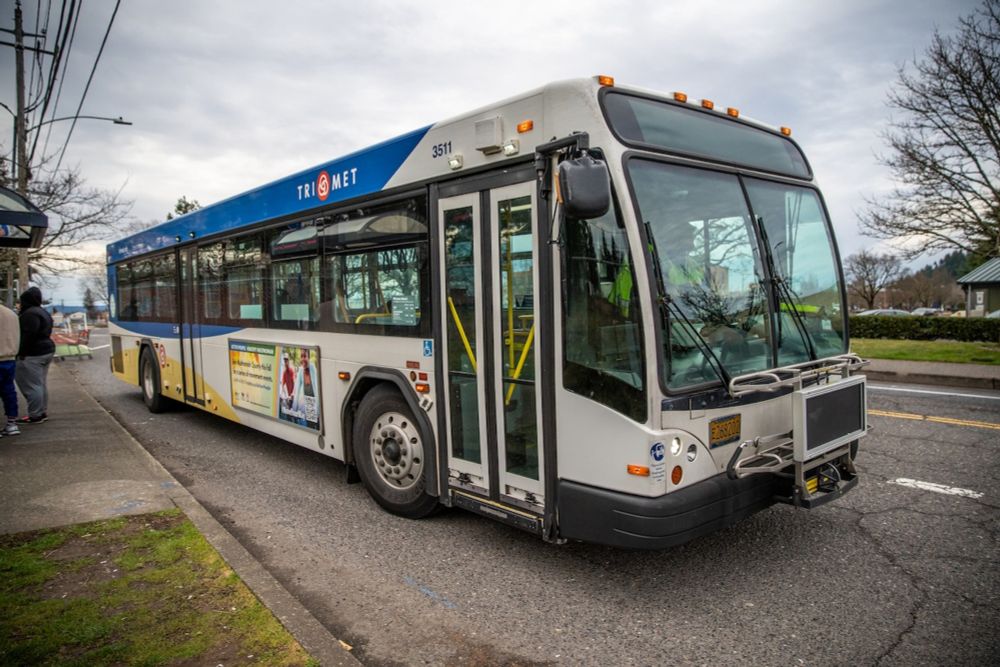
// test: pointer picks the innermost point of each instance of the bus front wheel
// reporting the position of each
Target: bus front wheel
(389, 454)
(149, 380)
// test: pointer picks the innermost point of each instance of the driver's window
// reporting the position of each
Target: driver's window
(602, 338)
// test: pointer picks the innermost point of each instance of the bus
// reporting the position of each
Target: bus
(591, 311)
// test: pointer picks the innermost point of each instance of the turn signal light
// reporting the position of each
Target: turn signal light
(344, 375)
(681, 97)
(676, 474)
(641, 471)
(605, 80)
(422, 388)
(525, 126)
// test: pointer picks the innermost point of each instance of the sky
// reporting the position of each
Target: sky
(228, 95)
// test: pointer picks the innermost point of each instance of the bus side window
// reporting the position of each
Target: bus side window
(210, 280)
(602, 341)
(295, 292)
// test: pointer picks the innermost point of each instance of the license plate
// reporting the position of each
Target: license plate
(723, 430)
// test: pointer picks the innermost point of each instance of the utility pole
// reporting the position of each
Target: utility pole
(21, 128)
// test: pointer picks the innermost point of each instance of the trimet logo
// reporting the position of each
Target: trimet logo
(325, 183)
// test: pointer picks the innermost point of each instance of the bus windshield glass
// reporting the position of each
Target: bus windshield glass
(716, 277)
(687, 131)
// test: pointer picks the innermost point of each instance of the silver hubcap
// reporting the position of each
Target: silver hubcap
(396, 450)
(147, 379)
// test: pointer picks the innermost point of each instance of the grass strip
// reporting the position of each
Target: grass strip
(928, 350)
(138, 590)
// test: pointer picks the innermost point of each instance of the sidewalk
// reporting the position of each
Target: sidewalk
(970, 376)
(81, 466)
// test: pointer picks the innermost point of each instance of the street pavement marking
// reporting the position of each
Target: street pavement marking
(936, 488)
(873, 387)
(936, 420)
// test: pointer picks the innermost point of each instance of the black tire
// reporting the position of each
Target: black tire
(389, 454)
(149, 381)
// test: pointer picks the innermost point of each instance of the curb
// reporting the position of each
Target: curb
(310, 633)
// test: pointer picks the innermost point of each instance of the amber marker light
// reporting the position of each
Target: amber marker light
(525, 126)
(733, 111)
(422, 388)
(344, 375)
(681, 97)
(708, 104)
(641, 471)
(787, 131)
(606, 80)
(676, 474)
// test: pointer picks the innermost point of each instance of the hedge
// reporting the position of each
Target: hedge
(971, 329)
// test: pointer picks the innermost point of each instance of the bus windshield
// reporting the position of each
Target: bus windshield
(717, 278)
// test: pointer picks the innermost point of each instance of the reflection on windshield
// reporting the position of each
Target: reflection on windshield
(795, 228)
(714, 273)
(700, 227)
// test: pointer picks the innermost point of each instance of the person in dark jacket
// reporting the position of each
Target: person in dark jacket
(34, 355)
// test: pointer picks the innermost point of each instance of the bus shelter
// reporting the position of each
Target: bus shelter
(22, 226)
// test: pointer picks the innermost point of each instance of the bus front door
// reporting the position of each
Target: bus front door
(490, 279)
(190, 329)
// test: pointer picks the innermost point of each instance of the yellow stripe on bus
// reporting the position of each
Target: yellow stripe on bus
(936, 420)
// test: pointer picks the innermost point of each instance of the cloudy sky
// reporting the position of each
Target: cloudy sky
(228, 95)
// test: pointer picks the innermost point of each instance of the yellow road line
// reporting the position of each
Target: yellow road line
(936, 420)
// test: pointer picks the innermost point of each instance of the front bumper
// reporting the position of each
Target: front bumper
(635, 522)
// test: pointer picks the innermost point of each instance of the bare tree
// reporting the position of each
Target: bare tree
(869, 273)
(76, 214)
(944, 146)
(94, 277)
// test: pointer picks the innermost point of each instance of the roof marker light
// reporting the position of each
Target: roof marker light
(681, 97)
(708, 104)
(787, 131)
(606, 80)
(733, 111)
(511, 147)
(525, 126)
(455, 162)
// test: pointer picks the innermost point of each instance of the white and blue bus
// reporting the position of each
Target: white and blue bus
(590, 311)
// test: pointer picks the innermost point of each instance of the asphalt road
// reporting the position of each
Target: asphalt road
(895, 573)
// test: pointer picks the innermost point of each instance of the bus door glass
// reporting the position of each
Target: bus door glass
(190, 330)
(490, 282)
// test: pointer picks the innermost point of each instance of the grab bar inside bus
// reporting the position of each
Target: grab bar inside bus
(461, 334)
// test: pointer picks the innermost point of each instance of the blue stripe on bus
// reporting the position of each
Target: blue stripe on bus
(168, 330)
(360, 173)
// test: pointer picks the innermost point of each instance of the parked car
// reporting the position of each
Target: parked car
(926, 312)
(995, 315)
(885, 312)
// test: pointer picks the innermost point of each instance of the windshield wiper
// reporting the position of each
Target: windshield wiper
(784, 293)
(668, 308)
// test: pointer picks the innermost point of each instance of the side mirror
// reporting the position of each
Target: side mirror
(585, 187)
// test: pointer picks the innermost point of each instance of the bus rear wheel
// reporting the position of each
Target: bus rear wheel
(389, 454)
(149, 380)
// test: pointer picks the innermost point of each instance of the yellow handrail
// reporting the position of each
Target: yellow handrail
(520, 363)
(366, 316)
(461, 333)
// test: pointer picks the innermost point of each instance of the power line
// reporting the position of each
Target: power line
(61, 59)
(87, 88)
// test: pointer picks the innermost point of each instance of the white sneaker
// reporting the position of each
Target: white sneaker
(10, 429)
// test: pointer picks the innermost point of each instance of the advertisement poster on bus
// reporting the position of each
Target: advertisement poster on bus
(278, 381)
